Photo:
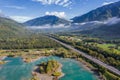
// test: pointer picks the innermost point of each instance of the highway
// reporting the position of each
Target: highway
(110, 68)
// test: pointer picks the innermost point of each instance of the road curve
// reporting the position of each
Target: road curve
(110, 68)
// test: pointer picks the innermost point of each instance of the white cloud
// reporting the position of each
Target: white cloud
(112, 21)
(20, 18)
(64, 3)
(58, 14)
(15, 7)
(47, 26)
(67, 4)
(57, 2)
(106, 3)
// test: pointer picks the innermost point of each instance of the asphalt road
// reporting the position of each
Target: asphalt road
(110, 68)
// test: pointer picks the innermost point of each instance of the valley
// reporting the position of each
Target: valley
(33, 54)
(74, 41)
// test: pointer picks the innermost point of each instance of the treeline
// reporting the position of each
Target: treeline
(93, 50)
(28, 42)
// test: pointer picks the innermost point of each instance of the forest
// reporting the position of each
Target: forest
(31, 41)
(90, 47)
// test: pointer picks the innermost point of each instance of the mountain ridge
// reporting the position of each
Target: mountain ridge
(46, 20)
(99, 14)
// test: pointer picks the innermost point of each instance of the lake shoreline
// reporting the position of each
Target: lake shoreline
(89, 68)
(44, 74)
(85, 65)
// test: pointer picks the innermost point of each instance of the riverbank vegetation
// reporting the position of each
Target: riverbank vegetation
(30, 55)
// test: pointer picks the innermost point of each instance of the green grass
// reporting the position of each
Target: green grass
(106, 47)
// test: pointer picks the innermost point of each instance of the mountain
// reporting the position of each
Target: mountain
(109, 31)
(10, 28)
(47, 20)
(100, 14)
(86, 25)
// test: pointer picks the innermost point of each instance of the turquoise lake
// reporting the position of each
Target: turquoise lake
(16, 69)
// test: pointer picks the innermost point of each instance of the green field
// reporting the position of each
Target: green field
(75, 39)
(105, 46)
(109, 48)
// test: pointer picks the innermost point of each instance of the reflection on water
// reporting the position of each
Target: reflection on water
(16, 69)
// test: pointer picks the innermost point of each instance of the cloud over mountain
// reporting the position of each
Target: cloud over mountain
(58, 14)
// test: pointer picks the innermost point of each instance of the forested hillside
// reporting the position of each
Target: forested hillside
(105, 31)
(13, 35)
(9, 28)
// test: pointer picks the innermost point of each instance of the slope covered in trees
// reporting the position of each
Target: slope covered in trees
(28, 42)
(9, 28)
(105, 31)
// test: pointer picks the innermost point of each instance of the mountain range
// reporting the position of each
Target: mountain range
(104, 20)
(90, 20)
(100, 14)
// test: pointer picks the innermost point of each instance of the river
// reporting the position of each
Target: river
(16, 69)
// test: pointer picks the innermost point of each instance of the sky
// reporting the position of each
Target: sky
(23, 10)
